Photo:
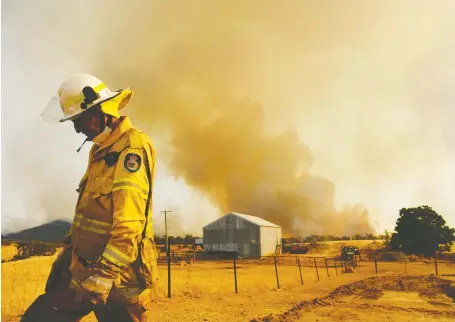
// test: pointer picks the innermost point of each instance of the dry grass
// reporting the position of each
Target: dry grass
(219, 278)
(332, 248)
(8, 252)
(24, 280)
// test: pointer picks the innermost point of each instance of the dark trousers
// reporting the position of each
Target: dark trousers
(58, 306)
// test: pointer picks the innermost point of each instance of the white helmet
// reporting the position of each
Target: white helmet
(80, 92)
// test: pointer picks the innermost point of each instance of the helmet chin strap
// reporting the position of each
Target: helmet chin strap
(103, 125)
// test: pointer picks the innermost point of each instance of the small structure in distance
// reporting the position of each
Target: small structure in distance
(249, 236)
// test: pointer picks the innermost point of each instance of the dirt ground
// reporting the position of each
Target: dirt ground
(383, 298)
(379, 298)
(205, 292)
(244, 306)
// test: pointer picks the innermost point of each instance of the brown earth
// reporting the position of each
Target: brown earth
(204, 291)
(384, 298)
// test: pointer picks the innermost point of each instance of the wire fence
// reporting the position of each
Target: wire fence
(26, 265)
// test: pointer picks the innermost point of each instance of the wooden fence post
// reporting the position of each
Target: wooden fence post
(276, 273)
(235, 272)
(326, 267)
(316, 266)
(435, 264)
(300, 270)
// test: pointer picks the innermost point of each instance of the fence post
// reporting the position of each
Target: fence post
(405, 267)
(335, 264)
(276, 273)
(235, 271)
(326, 267)
(300, 270)
(316, 266)
(435, 264)
(376, 265)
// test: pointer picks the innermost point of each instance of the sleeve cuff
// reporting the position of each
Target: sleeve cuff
(116, 256)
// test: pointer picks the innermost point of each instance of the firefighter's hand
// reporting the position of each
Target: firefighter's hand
(94, 281)
(94, 289)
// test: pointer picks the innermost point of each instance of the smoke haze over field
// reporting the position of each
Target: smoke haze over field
(320, 118)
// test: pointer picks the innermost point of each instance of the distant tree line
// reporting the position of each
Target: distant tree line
(188, 239)
(28, 249)
(419, 231)
(35, 249)
(324, 238)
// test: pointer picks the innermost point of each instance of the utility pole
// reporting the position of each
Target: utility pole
(168, 255)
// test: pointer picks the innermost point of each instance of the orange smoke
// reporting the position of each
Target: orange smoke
(189, 64)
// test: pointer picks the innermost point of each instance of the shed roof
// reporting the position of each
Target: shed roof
(252, 219)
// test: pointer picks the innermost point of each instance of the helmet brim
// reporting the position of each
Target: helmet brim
(95, 103)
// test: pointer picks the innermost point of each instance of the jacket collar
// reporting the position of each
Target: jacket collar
(123, 127)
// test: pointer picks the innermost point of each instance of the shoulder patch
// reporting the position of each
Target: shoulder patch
(132, 162)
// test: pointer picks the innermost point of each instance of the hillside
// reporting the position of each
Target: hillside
(53, 232)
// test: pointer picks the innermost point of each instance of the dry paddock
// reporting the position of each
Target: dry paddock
(196, 287)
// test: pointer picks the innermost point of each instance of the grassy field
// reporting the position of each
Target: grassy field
(199, 284)
(332, 248)
(8, 252)
(23, 280)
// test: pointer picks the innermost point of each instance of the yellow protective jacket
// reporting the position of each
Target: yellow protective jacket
(109, 222)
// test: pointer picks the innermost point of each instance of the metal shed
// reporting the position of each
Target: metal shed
(250, 236)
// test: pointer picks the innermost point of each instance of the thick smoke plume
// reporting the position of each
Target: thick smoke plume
(191, 65)
(294, 111)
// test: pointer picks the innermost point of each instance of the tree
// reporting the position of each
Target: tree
(188, 239)
(421, 231)
(387, 238)
(357, 237)
(28, 249)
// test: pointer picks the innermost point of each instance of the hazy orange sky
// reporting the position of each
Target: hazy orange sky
(323, 117)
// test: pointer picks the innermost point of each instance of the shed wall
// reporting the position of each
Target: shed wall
(270, 238)
(233, 233)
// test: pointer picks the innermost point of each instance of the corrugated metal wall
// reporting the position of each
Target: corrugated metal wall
(233, 233)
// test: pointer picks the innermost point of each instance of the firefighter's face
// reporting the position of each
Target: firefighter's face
(89, 123)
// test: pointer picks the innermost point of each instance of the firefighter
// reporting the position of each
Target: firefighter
(109, 261)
